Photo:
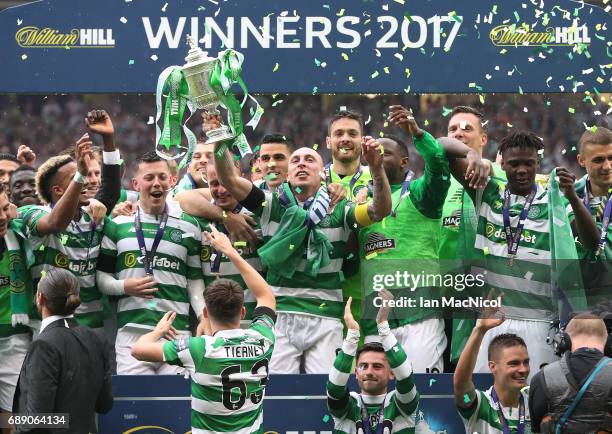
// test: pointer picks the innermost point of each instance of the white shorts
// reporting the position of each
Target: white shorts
(534, 334)
(424, 343)
(311, 338)
(13, 350)
(128, 365)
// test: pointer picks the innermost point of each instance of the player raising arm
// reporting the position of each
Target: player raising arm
(376, 365)
(232, 359)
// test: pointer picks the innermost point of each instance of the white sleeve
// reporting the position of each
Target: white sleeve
(108, 285)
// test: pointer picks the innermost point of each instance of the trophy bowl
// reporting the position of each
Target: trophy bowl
(196, 71)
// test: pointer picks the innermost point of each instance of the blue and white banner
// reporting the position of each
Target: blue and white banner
(317, 46)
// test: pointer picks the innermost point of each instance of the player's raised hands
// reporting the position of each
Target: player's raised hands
(477, 172)
(490, 317)
(404, 119)
(164, 327)
(26, 155)
(82, 154)
(349, 320)
(218, 240)
(99, 122)
(385, 308)
(371, 150)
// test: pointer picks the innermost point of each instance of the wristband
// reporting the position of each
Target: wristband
(78, 178)
(349, 345)
(384, 329)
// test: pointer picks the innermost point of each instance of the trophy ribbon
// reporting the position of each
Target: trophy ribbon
(172, 82)
(227, 72)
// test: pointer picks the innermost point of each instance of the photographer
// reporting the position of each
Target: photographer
(553, 393)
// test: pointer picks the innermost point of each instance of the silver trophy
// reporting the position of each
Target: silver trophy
(197, 72)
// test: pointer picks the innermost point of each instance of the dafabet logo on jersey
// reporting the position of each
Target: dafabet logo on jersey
(493, 233)
(61, 260)
(48, 37)
(130, 260)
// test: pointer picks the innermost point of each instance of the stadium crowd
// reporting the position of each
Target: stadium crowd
(253, 270)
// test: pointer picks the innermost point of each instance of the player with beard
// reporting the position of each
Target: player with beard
(519, 264)
(152, 262)
(62, 232)
(503, 408)
(22, 186)
(594, 189)
(375, 365)
(15, 303)
(411, 235)
(303, 249)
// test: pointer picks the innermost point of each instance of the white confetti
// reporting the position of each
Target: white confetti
(217, 4)
(463, 125)
(367, 33)
(587, 71)
(488, 76)
(531, 59)
(547, 80)
(368, 121)
(19, 21)
(385, 7)
(123, 20)
(151, 120)
(24, 56)
(154, 57)
(342, 108)
(399, 56)
(497, 67)
(164, 7)
(377, 52)
(525, 109)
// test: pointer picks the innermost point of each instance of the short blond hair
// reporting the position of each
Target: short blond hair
(587, 324)
(45, 174)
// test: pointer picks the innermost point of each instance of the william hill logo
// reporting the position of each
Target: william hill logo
(512, 35)
(47, 37)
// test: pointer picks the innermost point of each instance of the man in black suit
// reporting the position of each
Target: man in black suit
(67, 369)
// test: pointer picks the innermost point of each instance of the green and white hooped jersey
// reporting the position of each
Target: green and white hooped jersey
(320, 295)
(176, 266)
(526, 281)
(229, 373)
(75, 249)
(482, 418)
(399, 406)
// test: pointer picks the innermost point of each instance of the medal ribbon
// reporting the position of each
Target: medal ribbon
(512, 240)
(405, 189)
(148, 258)
(380, 418)
(502, 419)
(605, 221)
(215, 263)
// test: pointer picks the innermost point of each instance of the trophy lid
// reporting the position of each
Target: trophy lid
(195, 54)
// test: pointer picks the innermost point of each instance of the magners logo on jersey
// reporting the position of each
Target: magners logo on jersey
(377, 242)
